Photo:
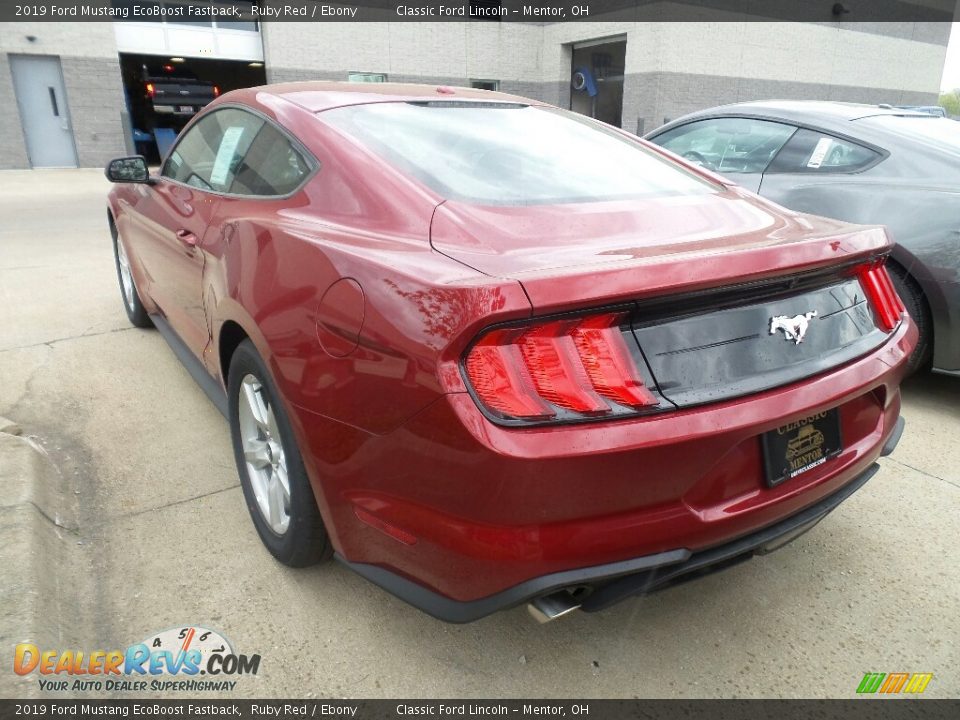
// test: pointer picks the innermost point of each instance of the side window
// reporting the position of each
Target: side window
(271, 166)
(815, 152)
(728, 145)
(207, 157)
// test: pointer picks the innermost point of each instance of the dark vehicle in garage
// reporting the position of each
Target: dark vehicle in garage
(168, 90)
(859, 163)
(487, 352)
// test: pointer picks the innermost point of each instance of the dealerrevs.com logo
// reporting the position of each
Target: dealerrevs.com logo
(183, 659)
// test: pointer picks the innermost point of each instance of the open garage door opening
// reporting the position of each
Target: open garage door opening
(597, 79)
(163, 93)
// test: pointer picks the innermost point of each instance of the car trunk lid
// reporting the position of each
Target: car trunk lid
(707, 277)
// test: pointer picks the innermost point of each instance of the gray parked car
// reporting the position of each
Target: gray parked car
(860, 163)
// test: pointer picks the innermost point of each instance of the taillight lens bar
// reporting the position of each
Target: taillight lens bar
(883, 296)
(559, 370)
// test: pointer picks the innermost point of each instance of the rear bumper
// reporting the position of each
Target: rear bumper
(489, 516)
(614, 582)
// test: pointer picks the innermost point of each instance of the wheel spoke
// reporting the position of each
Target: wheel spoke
(256, 454)
(275, 501)
(280, 469)
(272, 425)
(253, 393)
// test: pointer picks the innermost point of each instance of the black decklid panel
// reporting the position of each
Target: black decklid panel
(714, 354)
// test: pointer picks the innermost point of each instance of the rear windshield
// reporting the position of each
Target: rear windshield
(936, 131)
(509, 154)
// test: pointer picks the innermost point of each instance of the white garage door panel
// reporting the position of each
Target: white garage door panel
(149, 38)
(240, 45)
(191, 41)
(173, 40)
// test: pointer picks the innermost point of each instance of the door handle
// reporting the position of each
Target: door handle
(187, 238)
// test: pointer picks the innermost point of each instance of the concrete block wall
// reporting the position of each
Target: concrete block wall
(671, 68)
(91, 75)
(675, 68)
(13, 149)
(95, 94)
(430, 53)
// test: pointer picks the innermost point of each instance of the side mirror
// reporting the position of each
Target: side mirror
(128, 170)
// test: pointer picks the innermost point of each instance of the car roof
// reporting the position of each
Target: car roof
(316, 96)
(813, 111)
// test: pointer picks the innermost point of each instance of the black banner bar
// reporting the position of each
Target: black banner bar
(538, 11)
(893, 708)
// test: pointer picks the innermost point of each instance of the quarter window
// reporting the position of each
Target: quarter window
(272, 166)
(816, 152)
(236, 152)
(208, 155)
(728, 145)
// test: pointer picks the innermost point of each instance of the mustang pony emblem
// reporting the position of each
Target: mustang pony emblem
(794, 328)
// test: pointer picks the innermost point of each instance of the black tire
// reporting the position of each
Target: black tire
(919, 311)
(304, 541)
(136, 313)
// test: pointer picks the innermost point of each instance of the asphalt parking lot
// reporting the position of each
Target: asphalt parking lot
(146, 529)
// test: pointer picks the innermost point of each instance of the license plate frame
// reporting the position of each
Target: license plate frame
(799, 446)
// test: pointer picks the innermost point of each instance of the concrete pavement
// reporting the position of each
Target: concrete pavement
(156, 534)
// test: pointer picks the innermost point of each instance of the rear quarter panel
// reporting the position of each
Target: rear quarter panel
(274, 261)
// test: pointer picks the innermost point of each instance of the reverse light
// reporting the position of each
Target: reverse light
(883, 296)
(560, 370)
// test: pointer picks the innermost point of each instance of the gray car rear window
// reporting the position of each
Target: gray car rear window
(511, 154)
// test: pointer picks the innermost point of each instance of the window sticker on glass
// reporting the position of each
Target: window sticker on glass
(226, 152)
(819, 152)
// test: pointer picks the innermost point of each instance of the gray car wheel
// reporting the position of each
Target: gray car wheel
(916, 305)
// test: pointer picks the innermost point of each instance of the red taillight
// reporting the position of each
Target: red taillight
(570, 368)
(216, 91)
(150, 89)
(883, 297)
(608, 363)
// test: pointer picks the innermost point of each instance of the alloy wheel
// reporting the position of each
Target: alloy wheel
(126, 278)
(263, 451)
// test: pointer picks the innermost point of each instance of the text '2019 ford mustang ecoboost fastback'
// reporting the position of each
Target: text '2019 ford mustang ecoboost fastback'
(489, 352)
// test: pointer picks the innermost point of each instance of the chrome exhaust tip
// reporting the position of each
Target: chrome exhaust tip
(550, 607)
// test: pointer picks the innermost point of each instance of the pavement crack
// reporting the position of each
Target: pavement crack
(157, 508)
(51, 343)
(72, 529)
(11, 411)
(923, 472)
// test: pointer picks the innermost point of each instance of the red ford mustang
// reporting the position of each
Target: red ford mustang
(486, 352)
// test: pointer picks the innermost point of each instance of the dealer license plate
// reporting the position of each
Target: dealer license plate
(800, 446)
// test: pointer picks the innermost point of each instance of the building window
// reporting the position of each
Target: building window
(366, 77)
(152, 11)
(244, 22)
(485, 84)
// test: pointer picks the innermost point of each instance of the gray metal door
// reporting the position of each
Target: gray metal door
(38, 84)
